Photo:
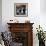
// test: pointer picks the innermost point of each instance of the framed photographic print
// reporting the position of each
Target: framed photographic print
(20, 9)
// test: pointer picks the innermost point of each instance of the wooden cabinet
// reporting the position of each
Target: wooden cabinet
(22, 33)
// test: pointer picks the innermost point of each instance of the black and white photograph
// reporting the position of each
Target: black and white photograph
(20, 9)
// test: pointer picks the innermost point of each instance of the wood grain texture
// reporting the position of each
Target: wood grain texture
(23, 27)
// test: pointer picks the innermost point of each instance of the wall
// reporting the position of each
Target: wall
(43, 14)
(8, 10)
(33, 14)
(43, 6)
(0, 15)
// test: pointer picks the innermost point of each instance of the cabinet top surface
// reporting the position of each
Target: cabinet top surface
(19, 23)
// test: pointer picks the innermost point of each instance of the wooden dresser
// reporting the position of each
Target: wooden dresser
(22, 33)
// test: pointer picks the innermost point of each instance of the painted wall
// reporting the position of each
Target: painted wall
(0, 15)
(43, 14)
(8, 11)
(43, 6)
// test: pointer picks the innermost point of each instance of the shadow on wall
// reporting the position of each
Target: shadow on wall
(0, 15)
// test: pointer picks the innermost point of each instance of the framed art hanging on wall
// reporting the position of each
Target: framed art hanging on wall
(20, 9)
